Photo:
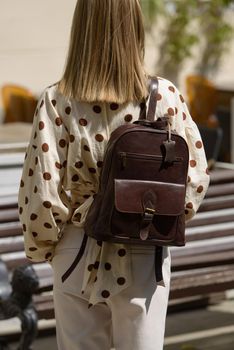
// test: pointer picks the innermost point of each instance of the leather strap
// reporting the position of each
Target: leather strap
(153, 88)
(146, 222)
(153, 99)
(158, 262)
(149, 202)
(77, 259)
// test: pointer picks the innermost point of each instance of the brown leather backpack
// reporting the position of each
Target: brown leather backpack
(142, 186)
(141, 197)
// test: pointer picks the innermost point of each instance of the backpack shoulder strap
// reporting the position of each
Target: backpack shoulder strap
(152, 99)
(153, 90)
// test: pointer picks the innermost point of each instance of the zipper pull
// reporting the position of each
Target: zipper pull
(123, 159)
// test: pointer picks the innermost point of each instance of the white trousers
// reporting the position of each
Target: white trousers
(134, 319)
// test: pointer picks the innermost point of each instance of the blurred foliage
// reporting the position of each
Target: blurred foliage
(178, 38)
(189, 23)
(217, 34)
(152, 9)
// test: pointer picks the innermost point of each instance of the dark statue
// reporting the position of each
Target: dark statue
(16, 301)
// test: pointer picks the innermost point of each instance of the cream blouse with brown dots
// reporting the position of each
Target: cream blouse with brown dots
(61, 175)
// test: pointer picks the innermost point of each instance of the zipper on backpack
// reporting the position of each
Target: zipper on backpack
(125, 155)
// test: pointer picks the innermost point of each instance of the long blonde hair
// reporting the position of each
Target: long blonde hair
(106, 55)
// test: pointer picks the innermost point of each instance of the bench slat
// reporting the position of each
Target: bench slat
(212, 216)
(11, 244)
(8, 201)
(204, 246)
(220, 176)
(209, 282)
(206, 260)
(220, 190)
(216, 203)
(9, 229)
(8, 215)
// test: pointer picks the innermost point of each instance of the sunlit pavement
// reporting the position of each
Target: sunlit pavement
(202, 329)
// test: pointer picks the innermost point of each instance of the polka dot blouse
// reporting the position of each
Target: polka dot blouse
(61, 176)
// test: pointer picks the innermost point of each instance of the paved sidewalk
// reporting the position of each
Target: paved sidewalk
(202, 329)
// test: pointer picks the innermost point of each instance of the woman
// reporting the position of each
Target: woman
(111, 298)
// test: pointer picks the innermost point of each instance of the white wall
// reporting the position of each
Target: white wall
(34, 35)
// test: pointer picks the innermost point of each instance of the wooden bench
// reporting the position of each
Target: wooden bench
(203, 267)
(206, 264)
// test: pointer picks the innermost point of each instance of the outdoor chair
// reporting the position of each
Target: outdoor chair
(202, 100)
(19, 104)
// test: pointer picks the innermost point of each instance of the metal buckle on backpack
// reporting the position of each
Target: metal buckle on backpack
(150, 211)
(146, 222)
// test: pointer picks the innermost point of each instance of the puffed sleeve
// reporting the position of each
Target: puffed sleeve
(44, 206)
(173, 105)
